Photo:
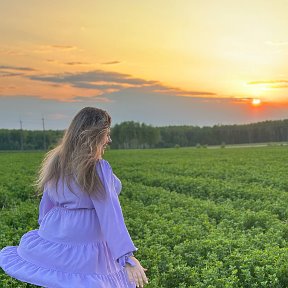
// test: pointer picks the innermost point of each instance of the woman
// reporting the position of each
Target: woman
(82, 240)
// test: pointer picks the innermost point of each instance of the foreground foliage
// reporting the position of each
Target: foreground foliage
(200, 217)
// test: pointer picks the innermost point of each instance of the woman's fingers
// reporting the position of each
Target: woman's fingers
(130, 276)
(142, 278)
(143, 275)
(136, 274)
(138, 278)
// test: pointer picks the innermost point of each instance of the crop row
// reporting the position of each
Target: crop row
(194, 215)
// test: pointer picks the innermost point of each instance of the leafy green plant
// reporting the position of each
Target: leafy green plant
(200, 217)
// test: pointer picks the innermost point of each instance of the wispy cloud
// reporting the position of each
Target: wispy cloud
(70, 63)
(16, 68)
(76, 63)
(42, 49)
(110, 63)
(8, 74)
(63, 47)
(108, 82)
(98, 80)
(279, 86)
(52, 61)
(271, 83)
(180, 92)
(268, 82)
(14, 71)
(104, 86)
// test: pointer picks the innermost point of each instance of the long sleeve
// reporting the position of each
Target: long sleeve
(45, 206)
(111, 218)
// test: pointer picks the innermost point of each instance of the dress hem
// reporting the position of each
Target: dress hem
(14, 264)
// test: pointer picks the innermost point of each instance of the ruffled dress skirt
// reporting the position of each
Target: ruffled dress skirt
(68, 251)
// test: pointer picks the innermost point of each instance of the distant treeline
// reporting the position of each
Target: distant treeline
(139, 135)
(28, 139)
(135, 135)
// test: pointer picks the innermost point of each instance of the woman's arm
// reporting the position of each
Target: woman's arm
(45, 206)
(110, 216)
(113, 226)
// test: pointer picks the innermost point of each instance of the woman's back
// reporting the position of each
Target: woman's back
(76, 244)
(82, 240)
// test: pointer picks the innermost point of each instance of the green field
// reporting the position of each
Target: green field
(200, 217)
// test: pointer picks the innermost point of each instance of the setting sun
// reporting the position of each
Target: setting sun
(51, 68)
(256, 101)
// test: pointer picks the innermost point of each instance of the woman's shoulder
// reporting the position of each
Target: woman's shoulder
(104, 164)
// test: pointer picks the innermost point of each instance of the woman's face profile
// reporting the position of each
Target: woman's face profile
(106, 141)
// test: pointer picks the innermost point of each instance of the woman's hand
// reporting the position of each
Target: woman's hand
(136, 274)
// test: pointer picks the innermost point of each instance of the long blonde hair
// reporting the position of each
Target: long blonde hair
(78, 152)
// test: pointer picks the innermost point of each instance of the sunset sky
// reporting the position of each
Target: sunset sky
(161, 62)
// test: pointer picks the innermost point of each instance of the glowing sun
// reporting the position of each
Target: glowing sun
(256, 102)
